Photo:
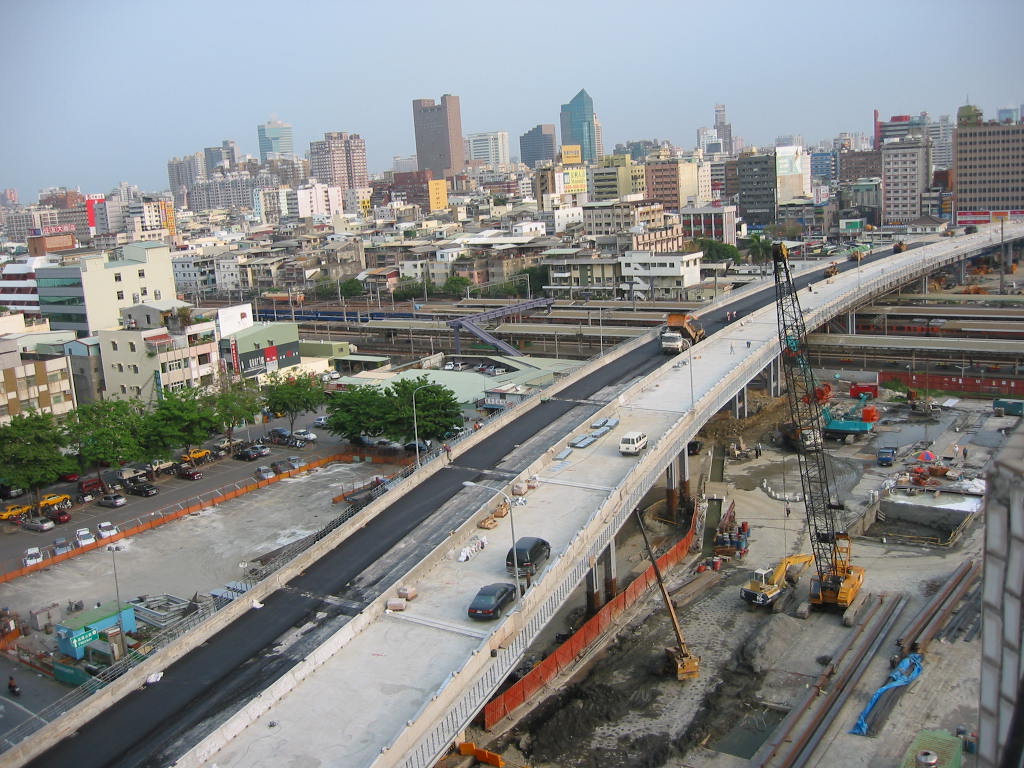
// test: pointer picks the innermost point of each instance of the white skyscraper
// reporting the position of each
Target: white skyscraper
(490, 147)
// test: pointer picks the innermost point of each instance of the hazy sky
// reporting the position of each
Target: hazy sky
(99, 92)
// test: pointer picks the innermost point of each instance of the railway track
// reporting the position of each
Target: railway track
(952, 610)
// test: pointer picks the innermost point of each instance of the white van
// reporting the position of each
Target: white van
(632, 443)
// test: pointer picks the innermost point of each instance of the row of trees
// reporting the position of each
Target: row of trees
(369, 411)
(37, 448)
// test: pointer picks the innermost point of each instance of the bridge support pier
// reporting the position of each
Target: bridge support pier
(739, 403)
(851, 323)
(672, 490)
(961, 272)
(774, 378)
(924, 284)
(611, 572)
(593, 591)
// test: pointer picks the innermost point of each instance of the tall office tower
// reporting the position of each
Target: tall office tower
(941, 134)
(580, 126)
(538, 145)
(339, 160)
(988, 164)
(490, 147)
(224, 157)
(274, 137)
(182, 174)
(906, 174)
(724, 129)
(438, 128)
(756, 178)
(9, 197)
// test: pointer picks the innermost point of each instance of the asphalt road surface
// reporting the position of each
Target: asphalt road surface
(153, 725)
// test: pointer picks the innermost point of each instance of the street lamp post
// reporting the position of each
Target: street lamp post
(512, 525)
(415, 426)
(113, 549)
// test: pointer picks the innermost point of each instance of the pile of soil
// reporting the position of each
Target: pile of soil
(761, 426)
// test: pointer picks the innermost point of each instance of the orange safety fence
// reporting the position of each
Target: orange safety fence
(567, 653)
(146, 525)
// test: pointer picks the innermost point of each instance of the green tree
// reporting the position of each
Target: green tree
(437, 410)
(410, 289)
(237, 401)
(181, 419)
(759, 249)
(105, 433)
(539, 277)
(357, 411)
(31, 452)
(350, 288)
(293, 395)
(456, 285)
(718, 251)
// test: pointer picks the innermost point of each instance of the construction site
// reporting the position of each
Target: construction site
(875, 659)
(761, 666)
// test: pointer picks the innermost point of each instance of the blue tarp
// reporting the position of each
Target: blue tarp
(905, 673)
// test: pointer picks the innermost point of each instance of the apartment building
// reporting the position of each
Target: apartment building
(159, 348)
(714, 222)
(617, 176)
(906, 175)
(676, 182)
(607, 218)
(34, 373)
(756, 179)
(90, 294)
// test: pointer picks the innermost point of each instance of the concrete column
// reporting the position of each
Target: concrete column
(739, 404)
(611, 572)
(593, 593)
(851, 323)
(684, 460)
(672, 489)
(961, 275)
(775, 378)
(924, 284)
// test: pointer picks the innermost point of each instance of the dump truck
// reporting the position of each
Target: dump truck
(832, 270)
(680, 331)
(899, 247)
(768, 584)
(886, 456)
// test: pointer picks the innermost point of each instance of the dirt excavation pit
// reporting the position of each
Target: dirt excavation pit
(627, 712)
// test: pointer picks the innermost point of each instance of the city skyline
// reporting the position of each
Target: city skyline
(657, 94)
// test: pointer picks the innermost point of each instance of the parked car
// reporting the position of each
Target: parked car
(55, 501)
(61, 546)
(37, 524)
(320, 421)
(58, 515)
(144, 489)
(280, 432)
(491, 600)
(248, 454)
(107, 529)
(196, 454)
(296, 461)
(304, 434)
(11, 491)
(264, 473)
(424, 446)
(33, 556)
(84, 537)
(14, 512)
(530, 554)
(262, 450)
(112, 500)
(70, 477)
(190, 473)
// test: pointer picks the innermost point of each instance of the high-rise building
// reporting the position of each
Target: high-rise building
(860, 165)
(988, 163)
(339, 160)
(941, 134)
(675, 182)
(182, 175)
(538, 145)
(274, 137)
(724, 129)
(792, 174)
(406, 164)
(906, 174)
(580, 126)
(756, 178)
(438, 128)
(490, 147)
(225, 156)
(790, 140)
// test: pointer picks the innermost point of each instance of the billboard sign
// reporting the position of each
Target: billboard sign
(58, 229)
(851, 226)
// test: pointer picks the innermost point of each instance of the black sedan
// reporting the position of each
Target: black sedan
(491, 600)
(144, 489)
(248, 454)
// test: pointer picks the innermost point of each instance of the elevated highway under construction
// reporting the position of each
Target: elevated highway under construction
(402, 688)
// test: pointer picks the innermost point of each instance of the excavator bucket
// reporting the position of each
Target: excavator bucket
(687, 666)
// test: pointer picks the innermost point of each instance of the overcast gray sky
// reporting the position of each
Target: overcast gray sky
(104, 91)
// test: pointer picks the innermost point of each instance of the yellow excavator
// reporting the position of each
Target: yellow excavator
(768, 584)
